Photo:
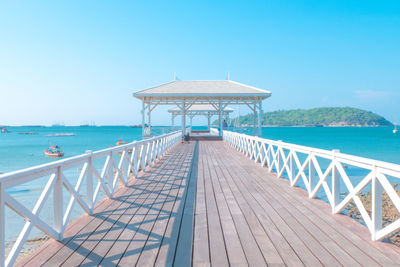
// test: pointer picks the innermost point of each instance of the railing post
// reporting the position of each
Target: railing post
(279, 161)
(311, 176)
(291, 165)
(2, 226)
(335, 182)
(110, 174)
(58, 204)
(376, 205)
(89, 182)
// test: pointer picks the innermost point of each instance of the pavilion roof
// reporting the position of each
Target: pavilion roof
(218, 89)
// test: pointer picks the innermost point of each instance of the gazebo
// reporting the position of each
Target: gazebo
(206, 110)
(185, 94)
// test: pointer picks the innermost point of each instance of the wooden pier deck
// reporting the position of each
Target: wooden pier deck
(206, 204)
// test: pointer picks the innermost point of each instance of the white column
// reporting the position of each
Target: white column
(220, 119)
(254, 119)
(143, 118)
(149, 114)
(172, 120)
(209, 120)
(260, 116)
(183, 119)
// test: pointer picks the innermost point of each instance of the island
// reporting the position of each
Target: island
(317, 117)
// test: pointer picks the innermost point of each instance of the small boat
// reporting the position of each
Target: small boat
(54, 152)
(395, 130)
(30, 133)
(4, 130)
(120, 143)
(60, 134)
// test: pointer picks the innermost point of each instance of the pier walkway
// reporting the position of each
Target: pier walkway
(204, 203)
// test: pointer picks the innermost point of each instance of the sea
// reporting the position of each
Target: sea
(18, 151)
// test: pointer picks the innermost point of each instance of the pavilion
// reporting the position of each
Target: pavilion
(199, 110)
(218, 93)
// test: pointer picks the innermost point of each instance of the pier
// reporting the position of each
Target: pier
(206, 198)
(205, 203)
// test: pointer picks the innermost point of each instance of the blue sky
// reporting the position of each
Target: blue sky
(80, 61)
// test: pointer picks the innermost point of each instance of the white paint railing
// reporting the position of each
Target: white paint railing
(146, 131)
(214, 131)
(134, 157)
(285, 157)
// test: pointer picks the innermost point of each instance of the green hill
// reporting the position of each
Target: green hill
(318, 117)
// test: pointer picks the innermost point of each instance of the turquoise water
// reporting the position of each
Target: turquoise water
(22, 151)
(371, 142)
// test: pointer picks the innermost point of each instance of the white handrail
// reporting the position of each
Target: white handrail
(214, 131)
(283, 157)
(134, 156)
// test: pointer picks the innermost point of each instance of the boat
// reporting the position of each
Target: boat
(60, 134)
(395, 130)
(4, 130)
(120, 143)
(30, 133)
(54, 152)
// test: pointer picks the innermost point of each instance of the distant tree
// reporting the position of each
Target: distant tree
(330, 116)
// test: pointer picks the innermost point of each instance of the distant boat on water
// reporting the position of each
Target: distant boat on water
(54, 152)
(86, 124)
(30, 133)
(60, 134)
(4, 130)
(395, 130)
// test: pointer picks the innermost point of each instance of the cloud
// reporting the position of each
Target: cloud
(368, 95)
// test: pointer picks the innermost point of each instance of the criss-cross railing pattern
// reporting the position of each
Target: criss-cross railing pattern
(133, 157)
(300, 163)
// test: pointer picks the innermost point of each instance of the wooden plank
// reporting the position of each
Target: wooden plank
(337, 237)
(223, 194)
(148, 256)
(201, 248)
(114, 255)
(354, 245)
(112, 237)
(289, 245)
(71, 244)
(225, 245)
(266, 246)
(332, 242)
(166, 252)
(183, 253)
(315, 245)
(137, 243)
(88, 246)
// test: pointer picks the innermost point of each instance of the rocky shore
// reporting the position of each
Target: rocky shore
(389, 212)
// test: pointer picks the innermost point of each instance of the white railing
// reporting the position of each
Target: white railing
(286, 158)
(214, 131)
(188, 129)
(146, 131)
(133, 157)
